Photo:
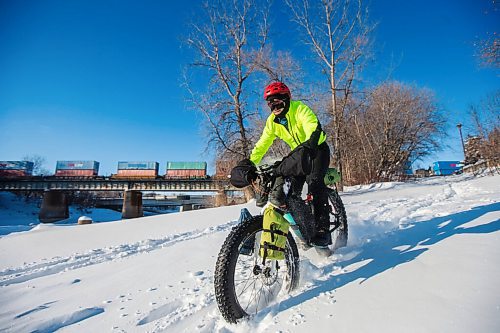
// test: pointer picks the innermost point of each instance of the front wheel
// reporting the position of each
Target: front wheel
(244, 285)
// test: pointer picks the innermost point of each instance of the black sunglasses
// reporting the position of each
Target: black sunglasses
(274, 101)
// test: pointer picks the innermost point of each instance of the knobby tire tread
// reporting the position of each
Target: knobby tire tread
(226, 260)
(339, 205)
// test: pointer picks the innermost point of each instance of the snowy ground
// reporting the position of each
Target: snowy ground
(422, 257)
(17, 214)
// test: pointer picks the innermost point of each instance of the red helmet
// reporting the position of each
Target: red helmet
(277, 88)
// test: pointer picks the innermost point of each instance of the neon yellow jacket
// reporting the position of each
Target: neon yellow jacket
(302, 122)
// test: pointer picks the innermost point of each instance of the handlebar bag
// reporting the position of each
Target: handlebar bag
(242, 174)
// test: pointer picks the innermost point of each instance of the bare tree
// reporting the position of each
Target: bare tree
(486, 123)
(488, 48)
(338, 33)
(38, 164)
(397, 124)
(228, 47)
(489, 52)
(280, 66)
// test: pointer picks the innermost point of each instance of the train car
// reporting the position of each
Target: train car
(137, 170)
(14, 169)
(445, 168)
(77, 168)
(186, 170)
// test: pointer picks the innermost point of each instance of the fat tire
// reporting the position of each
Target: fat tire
(225, 293)
(343, 230)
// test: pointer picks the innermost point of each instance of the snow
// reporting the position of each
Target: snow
(19, 214)
(422, 257)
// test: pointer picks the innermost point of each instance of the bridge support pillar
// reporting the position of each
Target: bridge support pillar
(132, 204)
(54, 207)
(186, 207)
(221, 198)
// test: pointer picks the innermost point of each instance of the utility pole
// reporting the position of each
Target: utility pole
(459, 125)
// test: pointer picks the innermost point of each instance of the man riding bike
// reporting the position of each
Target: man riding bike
(296, 124)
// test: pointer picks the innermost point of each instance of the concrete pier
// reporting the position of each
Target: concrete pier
(54, 207)
(220, 199)
(132, 204)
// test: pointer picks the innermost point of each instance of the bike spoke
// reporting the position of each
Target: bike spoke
(257, 291)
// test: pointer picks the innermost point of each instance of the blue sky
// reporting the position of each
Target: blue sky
(100, 80)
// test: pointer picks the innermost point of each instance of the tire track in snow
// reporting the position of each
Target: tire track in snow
(97, 256)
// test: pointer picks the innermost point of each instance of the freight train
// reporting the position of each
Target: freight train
(125, 170)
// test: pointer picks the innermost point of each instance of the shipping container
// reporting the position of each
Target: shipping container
(14, 173)
(75, 173)
(186, 170)
(26, 166)
(78, 165)
(136, 173)
(444, 168)
(187, 166)
(138, 166)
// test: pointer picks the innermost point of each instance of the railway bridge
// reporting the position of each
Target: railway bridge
(55, 204)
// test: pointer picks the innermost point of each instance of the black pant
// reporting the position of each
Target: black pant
(316, 187)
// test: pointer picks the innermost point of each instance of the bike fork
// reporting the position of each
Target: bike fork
(248, 246)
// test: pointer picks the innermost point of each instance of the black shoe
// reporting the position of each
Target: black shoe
(322, 239)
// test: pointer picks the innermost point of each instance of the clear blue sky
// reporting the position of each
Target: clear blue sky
(100, 80)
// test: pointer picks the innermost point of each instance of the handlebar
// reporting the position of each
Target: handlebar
(265, 169)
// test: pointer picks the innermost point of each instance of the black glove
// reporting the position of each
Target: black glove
(274, 168)
(251, 169)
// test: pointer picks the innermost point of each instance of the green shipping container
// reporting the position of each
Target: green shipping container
(186, 165)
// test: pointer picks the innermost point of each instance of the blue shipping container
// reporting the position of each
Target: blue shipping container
(444, 168)
(17, 165)
(138, 166)
(77, 165)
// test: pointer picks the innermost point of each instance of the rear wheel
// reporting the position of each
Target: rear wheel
(244, 285)
(338, 220)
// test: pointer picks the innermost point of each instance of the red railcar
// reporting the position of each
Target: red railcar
(76, 173)
(186, 174)
(136, 174)
(14, 173)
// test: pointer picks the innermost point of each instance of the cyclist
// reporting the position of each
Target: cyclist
(296, 124)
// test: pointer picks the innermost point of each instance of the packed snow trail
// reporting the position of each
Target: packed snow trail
(421, 257)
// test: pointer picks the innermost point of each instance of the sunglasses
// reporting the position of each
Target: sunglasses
(273, 102)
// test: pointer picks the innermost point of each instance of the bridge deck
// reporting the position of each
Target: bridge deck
(114, 185)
